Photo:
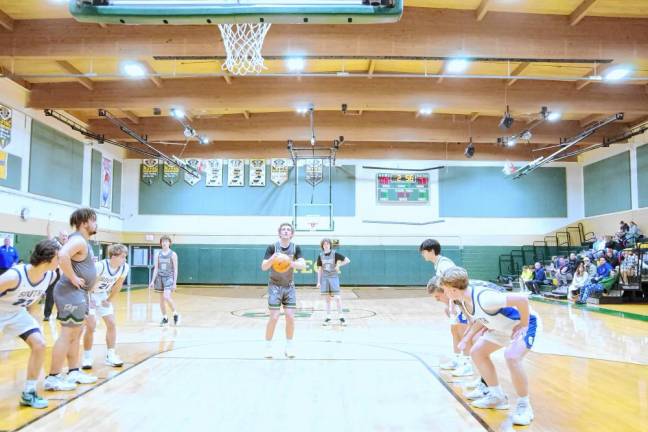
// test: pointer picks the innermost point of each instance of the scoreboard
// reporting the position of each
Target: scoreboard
(402, 188)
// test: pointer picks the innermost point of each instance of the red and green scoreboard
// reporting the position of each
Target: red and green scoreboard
(403, 188)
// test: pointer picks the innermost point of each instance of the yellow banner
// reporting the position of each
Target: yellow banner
(3, 165)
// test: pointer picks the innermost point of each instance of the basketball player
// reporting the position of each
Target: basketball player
(20, 288)
(509, 323)
(49, 294)
(165, 277)
(76, 261)
(328, 278)
(111, 274)
(281, 288)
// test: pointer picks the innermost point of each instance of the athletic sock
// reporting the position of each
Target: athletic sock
(30, 385)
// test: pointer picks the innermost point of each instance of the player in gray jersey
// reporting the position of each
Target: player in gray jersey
(20, 289)
(165, 277)
(76, 261)
(328, 278)
(281, 288)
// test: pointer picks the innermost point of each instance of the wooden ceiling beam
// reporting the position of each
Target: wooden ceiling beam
(69, 68)
(372, 67)
(482, 9)
(474, 116)
(131, 116)
(6, 21)
(591, 119)
(246, 114)
(441, 71)
(580, 12)
(152, 74)
(517, 71)
(6, 73)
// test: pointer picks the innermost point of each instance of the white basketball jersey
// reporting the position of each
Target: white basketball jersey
(27, 292)
(106, 278)
(502, 319)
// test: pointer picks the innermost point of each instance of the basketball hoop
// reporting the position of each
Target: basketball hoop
(243, 43)
(312, 222)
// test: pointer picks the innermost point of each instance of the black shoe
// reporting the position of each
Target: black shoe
(164, 322)
(327, 321)
(342, 321)
(580, 302)
(45, 318)
(176, 319)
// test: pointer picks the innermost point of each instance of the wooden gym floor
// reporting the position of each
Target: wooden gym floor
(380, 373)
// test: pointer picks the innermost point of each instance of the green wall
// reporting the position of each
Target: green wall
(14, 172)
(116, 187)
(485, 192)
(55, 164)
(607, 185)
(271, 200)
(642, 174)
(95, 179)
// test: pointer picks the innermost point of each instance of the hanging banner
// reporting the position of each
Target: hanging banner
(106, 183)
(257, 172)
(279, 170)
(213, 172)
(196, 165)
(236, 172)
(170, 174)
(314, 171)
(3, 165)
(149, 170)
(5, 126)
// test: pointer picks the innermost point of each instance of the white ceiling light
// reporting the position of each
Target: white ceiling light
(617, 73)
(457, 66)
(295, 64)
(554, 116)
(133, 69)
(425, 111)
(177, 113)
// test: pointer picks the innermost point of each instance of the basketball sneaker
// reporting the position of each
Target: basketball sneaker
(86, 362)
(165, 321)
(464, 369)
(523, 415)
(176, 318)
(326, 322)
(113, 360)
(32, 399)
(492, 401)
(79, 377)
(476, 393)
(289, 352)
(473, 384)
(342, 322)
(268, 351)
(58, 383)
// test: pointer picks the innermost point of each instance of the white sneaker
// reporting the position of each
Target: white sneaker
(450, 365)
(476, 393)
(523, 415)
(473, 384)
(289, 352)
(86, 362)
(268, 353)
(492, 401)
(58, 383)
(113, 360)
(79, 377)
(466, 369)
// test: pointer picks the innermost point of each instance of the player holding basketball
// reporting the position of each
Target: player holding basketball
(20, 288)
(510, 323)
(281, 288)
(111, 274)
(328, 278)
(165, 277)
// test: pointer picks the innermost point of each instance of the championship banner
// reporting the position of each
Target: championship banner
(3, 165)
(194, 164)
(149, 170)
(213, 172)
(106, 183)
(314, 171)
(257, 172)
(5, 126)
(236, 172)
(279, 169)
(170, 174)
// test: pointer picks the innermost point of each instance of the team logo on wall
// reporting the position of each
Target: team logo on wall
(257, 172)
(314, 171)
(106, 183)
(279, 169)
(170, 174)
(236, 172)
(5, 126)
(193, 165)
(149, 170)
(213, 172)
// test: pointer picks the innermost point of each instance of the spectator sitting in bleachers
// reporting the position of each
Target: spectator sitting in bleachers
(527, 274)
(590, 267)
(603, 281)
(539, 278)
(603, 269)
(633, 234)
(599, 244)
(563, 273)
(612, 257)
(581, 278)
(628, 266)
(573, 263)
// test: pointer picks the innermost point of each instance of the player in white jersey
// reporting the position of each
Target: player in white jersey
(20, 289)
(111, 274)
(509, 323)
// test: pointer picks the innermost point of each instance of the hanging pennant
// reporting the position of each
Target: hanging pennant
(149, 170)
(171, 174)
(236, 172)
(279, 170)
(314, 171)
(5, 126)
(105, 198)
(195, 166)
(213, 172)
(257, 172)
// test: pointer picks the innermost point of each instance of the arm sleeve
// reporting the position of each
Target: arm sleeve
(298, 252)
(339, 257)
(319, 261)
(492, 301)
(269, 252)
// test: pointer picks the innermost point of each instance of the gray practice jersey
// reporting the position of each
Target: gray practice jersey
(286, 278)
(84, 269)
(165, 265)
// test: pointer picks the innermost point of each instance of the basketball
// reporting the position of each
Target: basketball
(281, 263)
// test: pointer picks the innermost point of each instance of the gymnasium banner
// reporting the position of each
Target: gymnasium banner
(196, 165)
(170, 174)
(279, 170)
(236, 172)
(314, 171)
(149, 170)
(213, 172)
(257, 172)
(5, 126)
(106, 183)
(3, 165)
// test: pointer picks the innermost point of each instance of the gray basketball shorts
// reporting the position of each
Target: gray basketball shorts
(330, 286)
(71, 305)
(281, 295)
(163, 283)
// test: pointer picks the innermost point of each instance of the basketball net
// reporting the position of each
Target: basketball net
(243, 43)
